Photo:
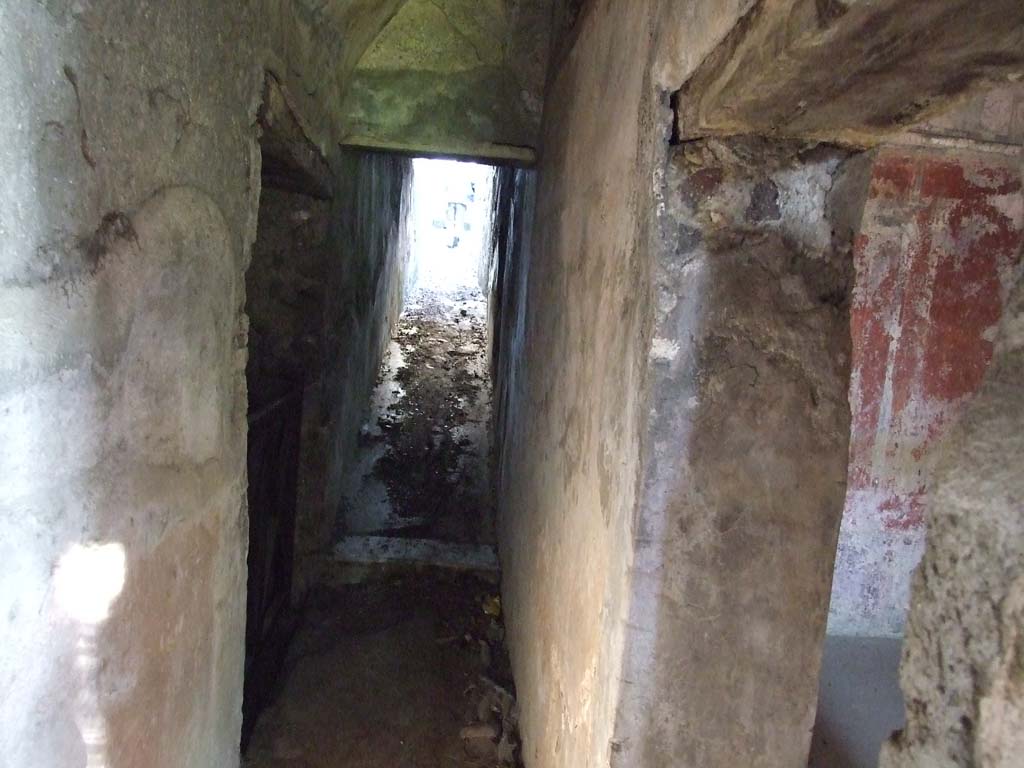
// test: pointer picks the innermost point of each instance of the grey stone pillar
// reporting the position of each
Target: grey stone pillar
(744, 455)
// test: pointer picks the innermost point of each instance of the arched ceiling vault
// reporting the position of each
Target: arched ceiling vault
(454, 77)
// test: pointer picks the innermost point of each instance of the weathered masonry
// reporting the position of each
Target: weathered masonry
(755, 331)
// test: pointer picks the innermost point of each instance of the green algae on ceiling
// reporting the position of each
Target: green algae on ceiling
(441, 36)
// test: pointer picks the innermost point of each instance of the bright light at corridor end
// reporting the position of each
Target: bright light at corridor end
(451, 223)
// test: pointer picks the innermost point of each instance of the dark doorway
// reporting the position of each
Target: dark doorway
(284, 302)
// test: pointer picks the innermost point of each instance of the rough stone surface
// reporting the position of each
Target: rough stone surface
(776, 70)
(962, 667)
(936, 255)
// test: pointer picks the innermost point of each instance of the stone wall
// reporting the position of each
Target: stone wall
(285, 294)
(962, 667)
(285, 306)
(324, 289)
(568, 398)
(628, 563)
(132, 180)
(575, 336)
(513, 207)
(364, 286)
(744, 454)
(619, 581)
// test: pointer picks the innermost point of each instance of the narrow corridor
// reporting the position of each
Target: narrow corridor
(511, 383)
(424, 462)
(400, 659)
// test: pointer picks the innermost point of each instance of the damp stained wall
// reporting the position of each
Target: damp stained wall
(574, 342)
(365, 284)
(453, 76)
(129, 207)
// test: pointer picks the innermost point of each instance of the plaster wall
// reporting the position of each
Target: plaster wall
(936, 256)
(568, 399)
(127, 212)
(133, 175)
(365, 284)
(572, 359)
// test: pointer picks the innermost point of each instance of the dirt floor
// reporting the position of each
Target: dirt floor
(407, 672)
(426, 449)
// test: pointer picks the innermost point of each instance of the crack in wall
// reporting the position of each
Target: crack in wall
(72, 78)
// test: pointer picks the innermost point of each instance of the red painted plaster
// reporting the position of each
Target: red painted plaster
(937, 253)
(903, 512)
(939, 242)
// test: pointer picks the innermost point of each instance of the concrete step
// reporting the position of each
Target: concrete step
(391, 552)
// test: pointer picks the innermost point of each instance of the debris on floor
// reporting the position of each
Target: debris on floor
(404, 672)
(427, 471)
(401, 661)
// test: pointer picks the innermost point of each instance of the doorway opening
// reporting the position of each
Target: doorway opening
(284, 304)
(424, 474)
(399, 654)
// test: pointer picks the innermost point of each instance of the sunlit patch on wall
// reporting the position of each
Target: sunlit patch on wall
(87, 581)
